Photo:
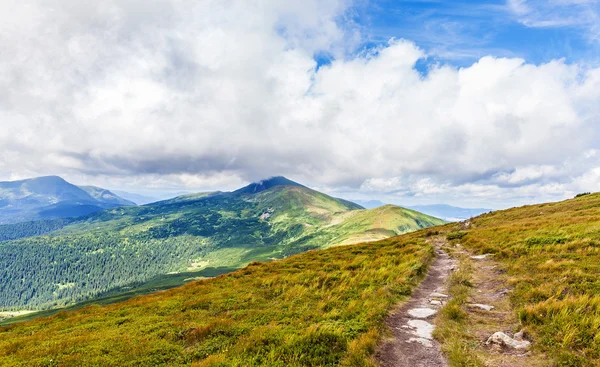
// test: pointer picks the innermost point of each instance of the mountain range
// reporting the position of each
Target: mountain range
(52, 197)
(66, 261)
(447, 212)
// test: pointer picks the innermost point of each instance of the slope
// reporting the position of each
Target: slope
(50, 197)
(129, 246)
(380, 223)
(546, 259)
(106, 196)
(320, 308)
(328, 307)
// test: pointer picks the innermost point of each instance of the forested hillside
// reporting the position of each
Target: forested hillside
(321, 308)
(118, 247)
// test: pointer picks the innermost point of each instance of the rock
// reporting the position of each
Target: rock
(435, 302)
(481, 306)
(422, 313)
(519, 335)
(480, 257)
(421, 329)
(438, 295)
(500, 338)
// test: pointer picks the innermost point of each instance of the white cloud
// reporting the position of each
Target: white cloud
(202, 94)
(583, 14)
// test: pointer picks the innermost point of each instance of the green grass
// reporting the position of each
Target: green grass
(453, 322)
(320, 308)
(551, 256)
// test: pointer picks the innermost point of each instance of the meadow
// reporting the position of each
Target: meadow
(320, 308)
(549, 256)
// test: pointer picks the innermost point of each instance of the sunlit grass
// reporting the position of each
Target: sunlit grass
(551, 254)
(321, 308)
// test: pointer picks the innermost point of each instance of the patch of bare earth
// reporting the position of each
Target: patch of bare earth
(411, 343)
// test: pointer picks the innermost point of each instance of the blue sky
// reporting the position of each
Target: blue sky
(460, 32)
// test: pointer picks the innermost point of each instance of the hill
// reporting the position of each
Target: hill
(51, 197)
(328, 307)
(446, 212)
(193, 234)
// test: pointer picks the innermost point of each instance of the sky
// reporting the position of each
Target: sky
(472, 103)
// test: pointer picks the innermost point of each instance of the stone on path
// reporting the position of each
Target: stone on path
(421, 328)
(480, 257)
(438, 295)
(481, 306)
(500, 338)
(421, 313)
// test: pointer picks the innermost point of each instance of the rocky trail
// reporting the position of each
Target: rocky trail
(412, 343)
(491, 321)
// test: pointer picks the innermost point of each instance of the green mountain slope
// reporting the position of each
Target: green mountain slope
(327, 308)
(118, 247)
(51, 197)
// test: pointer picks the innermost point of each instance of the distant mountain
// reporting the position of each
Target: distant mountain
(136, 198)
(369, 204)
(106, 196)
(51, 197)
(443, 211)
(448, 212)
(125, 246)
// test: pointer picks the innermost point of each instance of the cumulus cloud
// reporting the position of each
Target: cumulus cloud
(210, 93)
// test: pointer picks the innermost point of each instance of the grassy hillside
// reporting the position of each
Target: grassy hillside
(551, 256)
(129, 246)
(380, 223)
(320, 308)
(327, 307)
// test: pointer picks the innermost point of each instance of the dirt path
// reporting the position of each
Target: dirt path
(412, 344)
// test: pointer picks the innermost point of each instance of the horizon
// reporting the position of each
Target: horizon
(474, 104)
(161, 195)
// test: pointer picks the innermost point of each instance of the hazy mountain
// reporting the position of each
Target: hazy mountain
(51, 197)
(106, 196)
(136, 198)
(443, 211)
(271, 219)
(448, 212)
(369, 204)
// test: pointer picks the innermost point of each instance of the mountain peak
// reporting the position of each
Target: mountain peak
(267, 184)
